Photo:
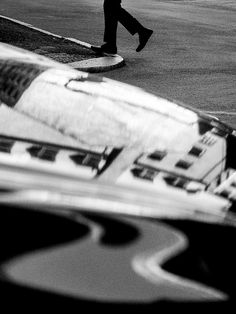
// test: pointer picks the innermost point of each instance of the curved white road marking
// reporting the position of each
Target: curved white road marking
(148, 265)
(96, 231)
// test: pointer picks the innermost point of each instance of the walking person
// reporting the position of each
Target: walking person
(114, 13)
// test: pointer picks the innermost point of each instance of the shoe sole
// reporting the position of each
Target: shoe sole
(103, 53)
(109, 54)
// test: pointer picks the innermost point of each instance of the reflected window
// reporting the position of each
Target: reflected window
(183, 164)
(86, 159)
(6, 145)
(196, 151)
(144, 173)
(208, 140)
(175, 181)
(157, 155)
(43, 152)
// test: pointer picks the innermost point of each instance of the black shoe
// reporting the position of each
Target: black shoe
(105, 49)
(143, 38)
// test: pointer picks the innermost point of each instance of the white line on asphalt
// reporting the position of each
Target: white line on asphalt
(29, 26)
(148, 265)
(79, 42)
(103, 63)
(74, 40)
(230, 113)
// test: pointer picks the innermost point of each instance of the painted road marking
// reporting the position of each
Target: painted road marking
(231, 113)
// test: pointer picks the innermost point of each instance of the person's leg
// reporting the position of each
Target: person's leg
(129, 22)
(114, 13)
(133, 26)
(111, 14)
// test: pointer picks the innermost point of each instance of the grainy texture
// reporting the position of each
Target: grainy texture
(191, 57)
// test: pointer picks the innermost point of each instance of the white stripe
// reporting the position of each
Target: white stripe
(230, 113)
(79, 42)
(30, 26)
(74, 40)
(148, 265)
(14, 20)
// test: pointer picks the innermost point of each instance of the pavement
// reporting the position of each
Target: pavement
(190, 58)
(71, 51)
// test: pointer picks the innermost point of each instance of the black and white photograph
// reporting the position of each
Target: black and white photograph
(117, 156)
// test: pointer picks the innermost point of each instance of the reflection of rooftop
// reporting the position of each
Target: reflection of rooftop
(200, 161)
(144, 141)
(228, 187)
(86, 163)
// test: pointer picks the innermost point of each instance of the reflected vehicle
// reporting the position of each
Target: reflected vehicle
(137, 203)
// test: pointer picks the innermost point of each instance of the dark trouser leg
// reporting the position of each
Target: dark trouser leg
(129, 22)
(111, 17)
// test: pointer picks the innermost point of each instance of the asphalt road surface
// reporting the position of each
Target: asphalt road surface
(191, 57)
